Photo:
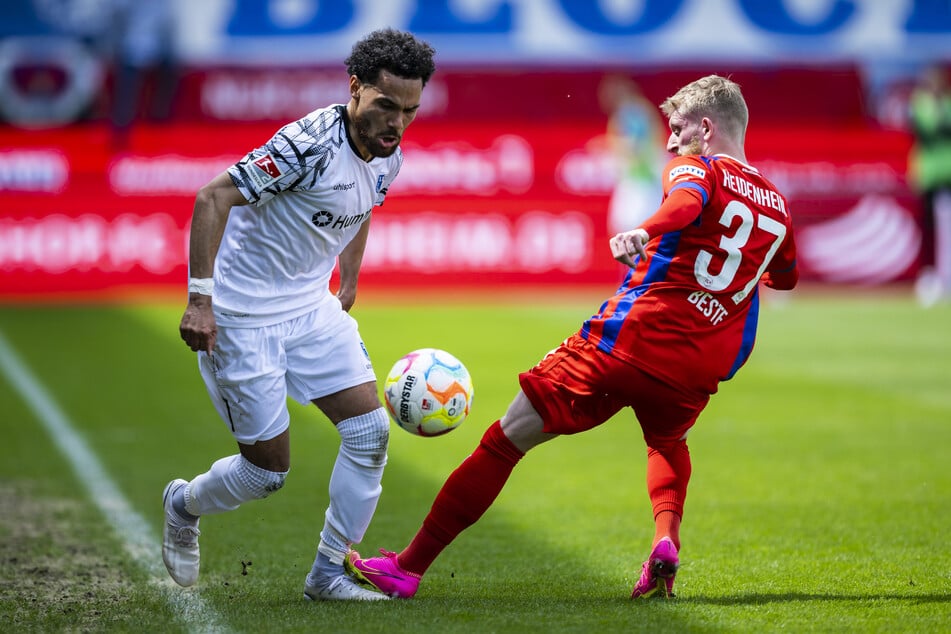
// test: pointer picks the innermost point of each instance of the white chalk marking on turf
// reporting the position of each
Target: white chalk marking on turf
(131, 527)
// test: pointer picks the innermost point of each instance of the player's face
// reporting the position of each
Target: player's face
(381, 113)
(686, 135)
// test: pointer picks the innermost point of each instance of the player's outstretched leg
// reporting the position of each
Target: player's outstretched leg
(383, 573)
(179, 539)
(658, 572)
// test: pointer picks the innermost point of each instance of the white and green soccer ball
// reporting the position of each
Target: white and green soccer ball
(428, 392)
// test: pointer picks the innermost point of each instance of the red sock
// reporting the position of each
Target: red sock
(668, 472)
(466, 495)
(667, 524)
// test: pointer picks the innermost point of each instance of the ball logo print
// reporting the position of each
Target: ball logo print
(428, 392)
(322, 218)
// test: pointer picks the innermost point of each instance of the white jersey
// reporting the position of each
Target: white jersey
(309, 193)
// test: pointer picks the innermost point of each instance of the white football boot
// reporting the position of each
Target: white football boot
(179, 540)
(339, 588)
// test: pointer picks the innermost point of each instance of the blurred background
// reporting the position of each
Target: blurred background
(539, 135)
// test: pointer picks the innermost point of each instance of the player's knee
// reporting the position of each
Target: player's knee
(665, 444)
(496, 442)
(366, 438)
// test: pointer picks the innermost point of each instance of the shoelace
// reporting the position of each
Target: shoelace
(392, 557)
(187, 536)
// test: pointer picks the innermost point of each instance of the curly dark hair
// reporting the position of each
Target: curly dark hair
(395, 51)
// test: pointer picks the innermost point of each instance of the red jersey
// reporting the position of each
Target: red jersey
(687, 314)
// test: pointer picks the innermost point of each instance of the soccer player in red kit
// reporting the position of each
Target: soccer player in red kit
(683, 320)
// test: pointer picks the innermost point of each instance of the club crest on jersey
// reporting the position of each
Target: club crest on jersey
(686, 170)
(264, 171)
(379, 182)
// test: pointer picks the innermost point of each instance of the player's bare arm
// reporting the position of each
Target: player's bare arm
(349, 261)
(212, 206)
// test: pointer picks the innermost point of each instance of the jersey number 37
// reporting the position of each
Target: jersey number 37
(733, 246)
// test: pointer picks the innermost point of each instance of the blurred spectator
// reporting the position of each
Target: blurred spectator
(144, 50)
(636, 137)
(930, 174)
(47, 81)
(51, 60)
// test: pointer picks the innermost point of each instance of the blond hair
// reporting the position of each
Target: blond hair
(715, 97)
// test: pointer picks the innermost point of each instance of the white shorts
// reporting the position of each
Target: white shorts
(253, 370)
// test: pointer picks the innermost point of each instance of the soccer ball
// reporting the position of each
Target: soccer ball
(428, 392)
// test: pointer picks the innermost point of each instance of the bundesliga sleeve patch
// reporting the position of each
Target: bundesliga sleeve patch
(688, 170)
(264, 171)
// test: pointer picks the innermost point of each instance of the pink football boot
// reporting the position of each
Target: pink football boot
(383, 573)
(658, 572)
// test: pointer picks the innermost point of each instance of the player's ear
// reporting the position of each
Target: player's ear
(355, 85)
(706, 127)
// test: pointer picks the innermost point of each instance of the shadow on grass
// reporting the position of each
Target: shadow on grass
(796, 597)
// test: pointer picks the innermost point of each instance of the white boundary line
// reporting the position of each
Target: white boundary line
(132, 529)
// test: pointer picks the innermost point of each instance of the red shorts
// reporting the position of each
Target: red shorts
(577, 387)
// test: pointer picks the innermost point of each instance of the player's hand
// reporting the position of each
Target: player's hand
(624, 246)
(347, 297)
(198, 328)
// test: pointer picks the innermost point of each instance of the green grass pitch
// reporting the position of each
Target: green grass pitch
(820, 499)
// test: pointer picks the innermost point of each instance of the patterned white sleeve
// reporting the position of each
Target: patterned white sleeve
(293, 159)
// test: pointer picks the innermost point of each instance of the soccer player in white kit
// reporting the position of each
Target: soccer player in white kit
(265, 237)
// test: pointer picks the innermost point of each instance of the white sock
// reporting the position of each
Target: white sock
(355, 482)
(324, 570)
(230, 482)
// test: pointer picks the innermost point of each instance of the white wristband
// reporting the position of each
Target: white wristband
(201, 285)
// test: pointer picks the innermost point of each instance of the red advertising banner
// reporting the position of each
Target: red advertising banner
(477, 94)
(485, 203)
